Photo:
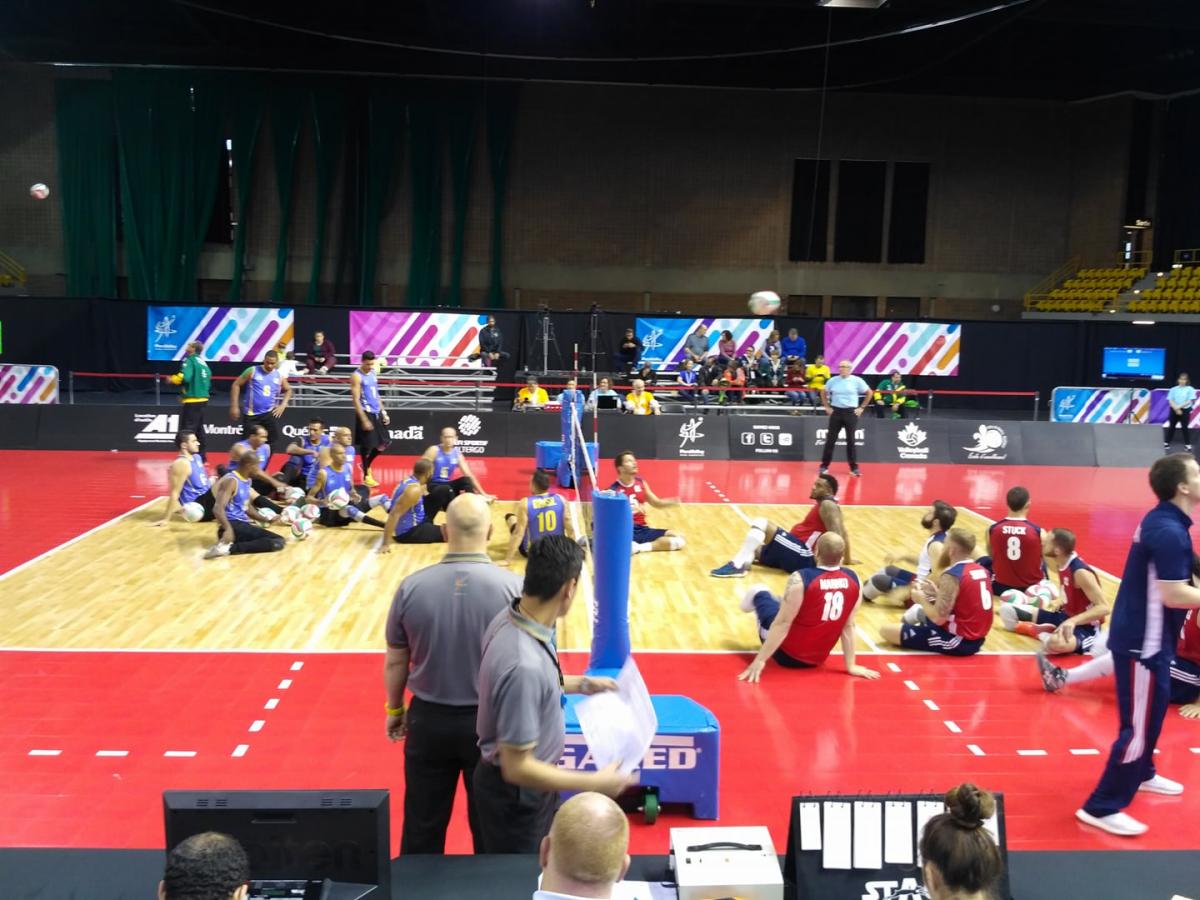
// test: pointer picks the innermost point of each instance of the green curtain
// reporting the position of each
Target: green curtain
(501, 103)
(170, 135)
(287, 107)
(329, 128)
(385, 122)
(461, 130)
(87, 186)
(425, 260)
(245, 121)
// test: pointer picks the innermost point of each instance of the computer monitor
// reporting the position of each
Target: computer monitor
(1134, 362)
(339, 835)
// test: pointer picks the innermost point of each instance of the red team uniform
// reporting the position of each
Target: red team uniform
(830, 596)
(1075, 601)
(969, 621)
(642, 534)
(1185, 670)
(1016, 560)
(811, 527)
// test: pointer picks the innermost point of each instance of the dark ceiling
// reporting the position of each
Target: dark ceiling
(1055, 49)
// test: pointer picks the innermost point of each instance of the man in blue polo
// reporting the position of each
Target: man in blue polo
(844, 397)
(1182, 397)
(1151, 605)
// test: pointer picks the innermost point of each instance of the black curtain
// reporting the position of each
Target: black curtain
(1178, 218)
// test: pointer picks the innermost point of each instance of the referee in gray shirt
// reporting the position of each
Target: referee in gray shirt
(520, 724)
(434, 633)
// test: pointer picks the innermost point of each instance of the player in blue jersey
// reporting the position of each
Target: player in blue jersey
(370, 418)
(234, 509)
(187, 480)
(1149, 613)
(451, 474)
(304, 455)
(339, 476)
(267, 394)
(937, 520)
(539, 514)
(408, 522)
(256, 442)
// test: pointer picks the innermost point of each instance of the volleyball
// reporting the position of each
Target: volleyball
(1040, 595)
(310, 511)
(1013, 596)
(39, 191)
(193, 512)
(301, 529)
(290, 514)
(269, 514)
(338, 499)
(293, 494)
(764, 303)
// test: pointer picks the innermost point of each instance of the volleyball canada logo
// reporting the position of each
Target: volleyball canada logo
(911, 437)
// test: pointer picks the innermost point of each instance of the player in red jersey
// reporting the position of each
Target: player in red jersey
(1075, 626)
(629, 483)
(1016, 547)
(771, 546)
(954, 615)
(817, 609)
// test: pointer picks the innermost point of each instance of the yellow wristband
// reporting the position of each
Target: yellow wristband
(397, 711)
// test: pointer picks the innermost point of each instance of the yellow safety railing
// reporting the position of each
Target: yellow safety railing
(11, 271)
(1043, 287)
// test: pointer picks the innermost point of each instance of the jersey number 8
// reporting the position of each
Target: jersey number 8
(1013, 548)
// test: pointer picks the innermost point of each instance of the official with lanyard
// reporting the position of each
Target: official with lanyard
(520, 725)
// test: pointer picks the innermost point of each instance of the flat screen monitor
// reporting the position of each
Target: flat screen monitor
(339, 835)
(1134, 362)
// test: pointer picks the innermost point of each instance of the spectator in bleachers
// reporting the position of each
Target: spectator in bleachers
(288, 367)
(587, 850)
(773, 344)
(532, 396)
(708, 375)
(734, 376)
(726, 348)
(207, 866)
(687, 381)
(817, 374)
(640, 401)
(604, 389)
(796, 383)
(890, 396)
(695, 347)
(793, 346)
(491, 345)
(571, 385)
(647, 374)
(1182, 397)
(630, 350)
(321, 356)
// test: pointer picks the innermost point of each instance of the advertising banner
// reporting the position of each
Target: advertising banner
(989, 443)
(26, 385)
(229, 333)
(767, 437)
(1101, 405)
(1159, 410)
(905, 441)
(692, 437)
(433, 339)
(663, 339)
(912, 348)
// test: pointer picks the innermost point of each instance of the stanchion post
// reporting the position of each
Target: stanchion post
(71, 388)
(1037, 401)
(157, 391)
(929, 406)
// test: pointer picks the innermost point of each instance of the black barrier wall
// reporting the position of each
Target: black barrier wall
(681, 437)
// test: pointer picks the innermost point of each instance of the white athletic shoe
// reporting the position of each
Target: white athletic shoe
(915, 615)
(637, 548)
(217, 550)
(1008, 617)
(746, 604)
(1160, 785)
(1118, 823)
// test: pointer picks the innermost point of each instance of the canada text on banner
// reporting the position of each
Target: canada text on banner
(912, 348)
(228, 333)
(28, 384)
(663, 340)
(440, 340)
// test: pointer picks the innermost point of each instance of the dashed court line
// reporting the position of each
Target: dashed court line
(975, 749)
(933, 706)
(911, 685)
(1084, 751)
(45, 752)
(180, 754)
(893, 667)
(952, 726)
(257, 725)
(272, 703)
(285, 684)
(240, 750)
(112, 752)
(1032, 753)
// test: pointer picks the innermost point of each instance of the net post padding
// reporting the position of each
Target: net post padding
(613, 537)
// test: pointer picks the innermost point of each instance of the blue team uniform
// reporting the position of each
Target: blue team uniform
(370, 392)
(445, 466)
(414, 515)
(235, 509)
(197, 481)
(308, 464)
(263, 452)
(546, 514)
(1142, 641)
(261, 391)
(335, 480)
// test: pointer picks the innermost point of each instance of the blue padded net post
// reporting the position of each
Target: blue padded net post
(613, 536)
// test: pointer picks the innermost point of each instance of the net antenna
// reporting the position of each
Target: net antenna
(580, 521)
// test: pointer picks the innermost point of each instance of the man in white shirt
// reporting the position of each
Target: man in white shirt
(587, 850)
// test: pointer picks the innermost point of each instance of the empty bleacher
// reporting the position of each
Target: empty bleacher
(1178, 291)
(1088, 290)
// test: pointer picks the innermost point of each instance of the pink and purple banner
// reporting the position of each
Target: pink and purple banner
(913, 348)
(437, 340)
(28, 384)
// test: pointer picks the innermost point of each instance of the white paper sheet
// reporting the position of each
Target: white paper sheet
(836, 841)
(810, 826)
(619, 725)
(643, 890)
(897, 832)
(868, 835)
(926, 810)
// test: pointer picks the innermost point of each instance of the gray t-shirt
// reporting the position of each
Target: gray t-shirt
(440, 614)
(520, 697)
(696, 343)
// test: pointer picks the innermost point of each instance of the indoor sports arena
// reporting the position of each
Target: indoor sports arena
(600, 448)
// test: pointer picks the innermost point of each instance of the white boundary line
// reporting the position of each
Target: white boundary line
(322, 627)
(79, 537)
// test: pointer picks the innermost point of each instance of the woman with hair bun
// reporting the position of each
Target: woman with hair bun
(961, 860)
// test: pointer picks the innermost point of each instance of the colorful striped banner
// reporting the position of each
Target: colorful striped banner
(1100, 405)
(663, 339)
(436, 340)
(28, 384)
(912, 348)
(229, 333)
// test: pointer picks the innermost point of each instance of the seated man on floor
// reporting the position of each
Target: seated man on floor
(339, 476)
(451, 474)
(816, 611)
(235, 508)
(632, 485)
(408, 522)
(543, 512)
(954, 615)
(304, 455)
(893, 583)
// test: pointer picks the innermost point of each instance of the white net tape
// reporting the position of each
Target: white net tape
(575, 507)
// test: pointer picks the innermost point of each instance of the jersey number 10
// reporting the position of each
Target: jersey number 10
(547, 521)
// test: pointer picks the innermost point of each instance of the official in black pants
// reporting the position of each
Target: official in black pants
(1182, 397)
(845, 396)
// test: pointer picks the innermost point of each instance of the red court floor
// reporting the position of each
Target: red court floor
(201, 720)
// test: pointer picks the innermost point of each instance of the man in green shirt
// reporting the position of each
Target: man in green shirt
(195, 380)
(889, 395)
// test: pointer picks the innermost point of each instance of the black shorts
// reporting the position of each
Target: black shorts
(374, 439)
(425, 533)
(1085, 635)
(266, 420)
(644, 535)
(936, 639)
(786, 553)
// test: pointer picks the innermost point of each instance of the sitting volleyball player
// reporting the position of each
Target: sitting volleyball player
(235, 508)
(408, 523)
(188, 480)
(954, 615)
(629, 483)
(1075, 626)
(339, 476)
(304, 455)
(817, 609)
(543, 512)
(771, 546)
(937, 520)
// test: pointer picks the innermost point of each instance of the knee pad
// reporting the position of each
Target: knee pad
(759, 523)
(677, 541)
(882, 582)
